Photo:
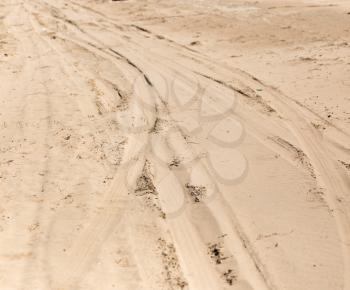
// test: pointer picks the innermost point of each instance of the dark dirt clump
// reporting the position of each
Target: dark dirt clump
(196, 192)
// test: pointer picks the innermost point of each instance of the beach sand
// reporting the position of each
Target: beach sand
(174, 145)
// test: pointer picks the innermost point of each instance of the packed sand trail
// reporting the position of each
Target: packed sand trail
(174, 145)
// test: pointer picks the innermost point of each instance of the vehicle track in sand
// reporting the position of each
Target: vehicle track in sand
(166, 131)
(93, 230)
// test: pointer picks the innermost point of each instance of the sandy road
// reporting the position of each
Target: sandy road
(129, 161)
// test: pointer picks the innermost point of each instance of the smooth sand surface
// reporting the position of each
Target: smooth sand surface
(174, 144)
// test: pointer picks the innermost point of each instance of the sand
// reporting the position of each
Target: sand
(174, 144)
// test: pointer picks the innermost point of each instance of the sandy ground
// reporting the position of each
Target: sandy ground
(174, 144)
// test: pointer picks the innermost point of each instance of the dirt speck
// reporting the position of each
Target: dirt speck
(196, 192)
